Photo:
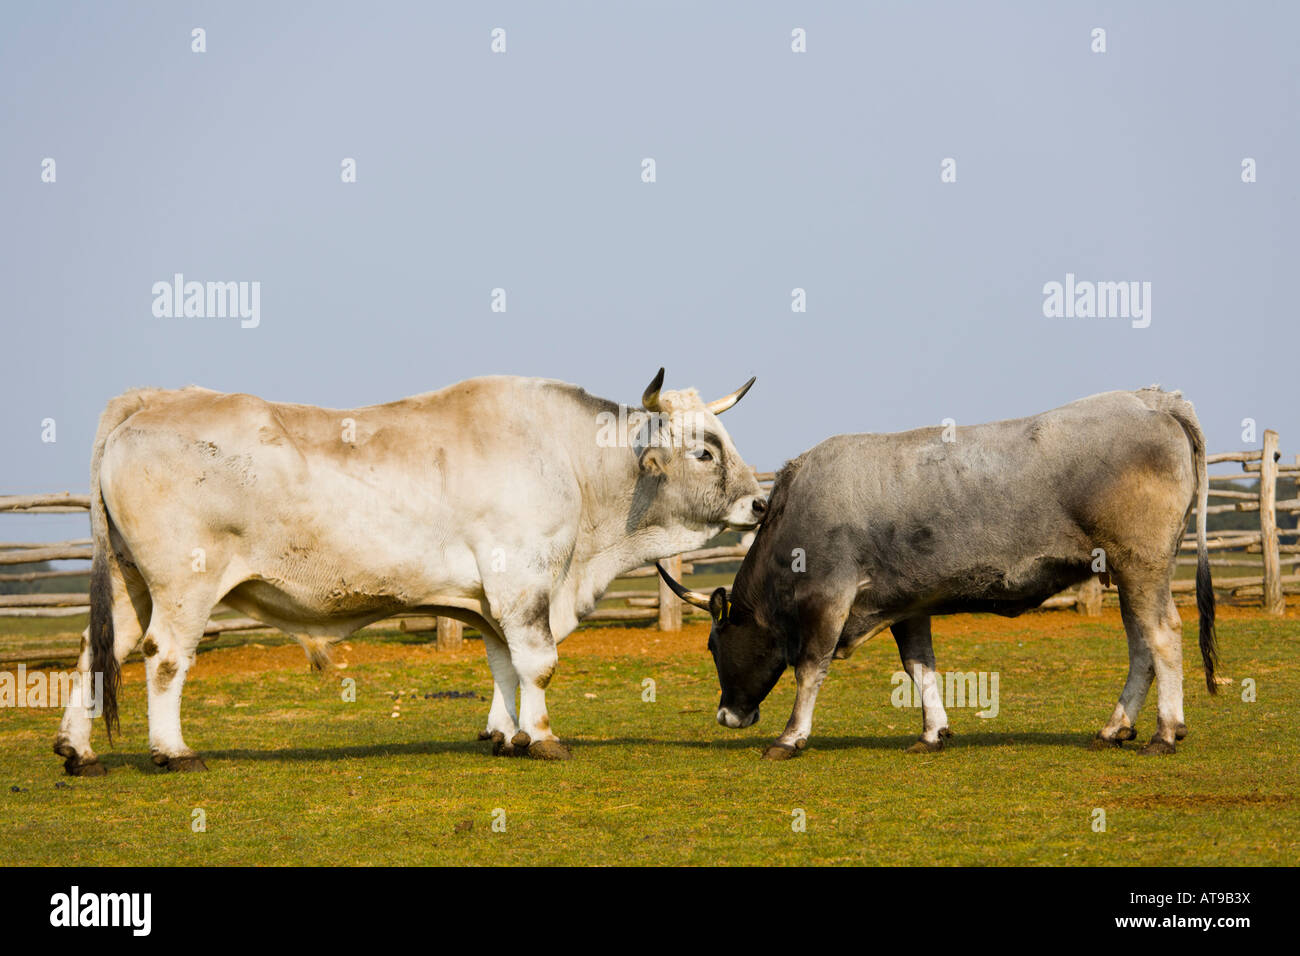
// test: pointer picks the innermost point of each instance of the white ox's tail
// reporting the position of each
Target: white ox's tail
(103, 566)
(1182, 412)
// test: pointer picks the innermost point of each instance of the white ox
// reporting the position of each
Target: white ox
(508, 503)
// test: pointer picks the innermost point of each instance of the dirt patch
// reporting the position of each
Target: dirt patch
(650, 643)
(1206, 800)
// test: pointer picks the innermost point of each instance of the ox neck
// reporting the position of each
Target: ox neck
(620, 532)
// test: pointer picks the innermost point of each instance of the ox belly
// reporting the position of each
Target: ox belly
(985, 589)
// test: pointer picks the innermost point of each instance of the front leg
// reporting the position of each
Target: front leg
(533, 654)
(821, 621)
(503, 720)
(809, 674)
(917, 653)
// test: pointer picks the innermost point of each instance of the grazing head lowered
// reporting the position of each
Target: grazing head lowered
(749, 658)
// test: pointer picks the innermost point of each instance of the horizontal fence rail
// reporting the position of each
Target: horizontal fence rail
(658, 603)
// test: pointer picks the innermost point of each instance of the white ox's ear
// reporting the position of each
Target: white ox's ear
(654, 460)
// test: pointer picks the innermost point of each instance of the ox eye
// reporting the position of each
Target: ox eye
(700, 454)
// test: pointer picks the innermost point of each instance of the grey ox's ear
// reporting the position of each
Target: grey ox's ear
(718, 607)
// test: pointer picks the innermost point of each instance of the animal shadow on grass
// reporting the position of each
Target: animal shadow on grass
(896, 742)
(141, 760)
(893, 742)
(959, 741)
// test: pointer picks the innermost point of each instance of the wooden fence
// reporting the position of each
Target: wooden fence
(659, 604)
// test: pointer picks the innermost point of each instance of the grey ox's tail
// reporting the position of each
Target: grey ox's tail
(1204, 584)
(1185, 415)
(103, 653)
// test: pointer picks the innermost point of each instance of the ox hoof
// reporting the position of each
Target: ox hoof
(186, 764)
(945, 732)
(1102, 742)
(1180, 732)
(489, 734)
(500, 746)
(84, 768)
(519, 743)
(75, 765)
(782, 751)
(548, 750)
(924, 746)
(1158, 747)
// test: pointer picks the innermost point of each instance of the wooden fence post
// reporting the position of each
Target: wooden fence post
(670, 608)
(1274, 602)
(450, 634)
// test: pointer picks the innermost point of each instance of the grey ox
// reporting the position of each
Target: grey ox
(507, 503)
(898, 528)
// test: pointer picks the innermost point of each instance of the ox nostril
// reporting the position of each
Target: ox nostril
(760, 506)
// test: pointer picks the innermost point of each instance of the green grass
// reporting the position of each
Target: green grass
(299, 776)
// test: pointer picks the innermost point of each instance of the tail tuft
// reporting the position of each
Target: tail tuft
(1205, 608)
(103, 656)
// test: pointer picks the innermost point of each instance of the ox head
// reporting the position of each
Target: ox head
(749, 658)
(701, 480)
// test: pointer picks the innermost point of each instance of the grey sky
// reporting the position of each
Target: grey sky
(775, 170)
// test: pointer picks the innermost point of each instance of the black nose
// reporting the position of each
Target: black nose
(760, 507)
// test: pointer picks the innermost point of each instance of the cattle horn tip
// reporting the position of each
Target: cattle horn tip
(650, 397)
(686, 594)
(722, 404)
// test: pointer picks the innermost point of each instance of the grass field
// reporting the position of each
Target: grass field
(298, 775)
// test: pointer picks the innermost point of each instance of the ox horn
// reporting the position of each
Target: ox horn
(698, 598)
(650, 397)
(722, 404)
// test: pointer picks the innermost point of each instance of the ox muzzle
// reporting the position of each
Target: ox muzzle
(747, 512)
(729, 719)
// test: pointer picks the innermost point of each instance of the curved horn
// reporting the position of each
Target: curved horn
(722, 404)
(650, 397)
(697, 598)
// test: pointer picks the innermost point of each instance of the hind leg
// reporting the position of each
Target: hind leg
(131, 610)
(169, 647)
(1166, 638)
(1155, 650)
(1174, 624)
(1141, 671)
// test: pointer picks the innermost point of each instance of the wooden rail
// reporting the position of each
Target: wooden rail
(661, 605)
